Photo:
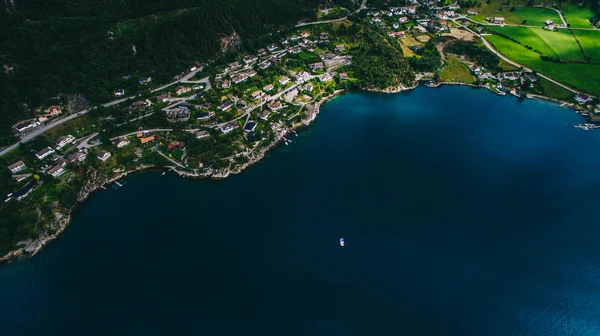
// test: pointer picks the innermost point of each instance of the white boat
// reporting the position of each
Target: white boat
(342, 242)
(163, 173)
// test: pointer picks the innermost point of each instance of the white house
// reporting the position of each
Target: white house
(57, 170)
(62, 141)
(44, 153)
(17, 167)
(103, 155)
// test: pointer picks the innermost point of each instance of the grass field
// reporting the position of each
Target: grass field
(580, 76)
(558, 44)
(576, 16)
(590, 41)
(536, 16)
(456, 71)
(554, 91)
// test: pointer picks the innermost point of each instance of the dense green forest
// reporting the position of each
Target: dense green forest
(64, 46)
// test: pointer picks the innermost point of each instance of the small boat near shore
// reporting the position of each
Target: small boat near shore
(163, 174)
(342, 243)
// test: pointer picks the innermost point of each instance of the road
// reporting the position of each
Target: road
(150, 130)
(462, 17)
(363, 5)
(508, 60)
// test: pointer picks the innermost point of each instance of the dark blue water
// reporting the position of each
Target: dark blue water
(464, 213)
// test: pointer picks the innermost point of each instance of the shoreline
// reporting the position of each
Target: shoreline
(96, 182)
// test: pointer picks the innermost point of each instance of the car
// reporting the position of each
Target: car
(79, 113)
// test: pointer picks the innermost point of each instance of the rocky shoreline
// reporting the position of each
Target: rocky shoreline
(97, 181)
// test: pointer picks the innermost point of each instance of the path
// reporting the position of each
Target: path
(142, 131)
(559, 14)
(168, 158)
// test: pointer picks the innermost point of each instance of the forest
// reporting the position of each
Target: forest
(61, 47)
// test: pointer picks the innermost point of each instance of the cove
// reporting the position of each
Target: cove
(463, 213)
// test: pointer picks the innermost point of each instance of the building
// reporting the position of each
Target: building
(204, 115)
(272, 47)
(225, 105)
(119, 93)
(53, 111)
(182, 90)
(17, 167)
(268, 87)
(147, 139)
(581, 98)
(24, 191)
(20, 127)
(202, 134)
(257, 94)
(234, 65)
(284, 80)
(510, 75)
(44, 153)
(227, 128)
(250, 73)
(103, 155)
(264, 114)
(176, 145)
(57, 170)
(471, 12)
(315, 66)
(498, 20)
(76, 157)
(343, 75)
(325, 77)
(62, 141)
(226, 84)
(249, 59)
(250, 126)
(145, 80)
(163, 97)
(261, 52)
(238, 78)
(274, 106)
(403, 19)
(121, 142)
(264, 65)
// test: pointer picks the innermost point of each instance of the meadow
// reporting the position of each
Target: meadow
(456, 71)
(576, 16)
(536, 16)
(578, 75)
(590, 41)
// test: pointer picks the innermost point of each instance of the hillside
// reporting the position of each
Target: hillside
(87, 46)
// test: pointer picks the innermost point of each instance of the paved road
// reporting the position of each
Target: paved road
(136, 132)
(462, 17)
(363, 5)
(559, 14)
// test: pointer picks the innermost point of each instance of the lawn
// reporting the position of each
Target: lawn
(579, 76)
(558, 44)
(576, 16)
(456, 71)
(590, 40)
(536, 16)
(554, 91)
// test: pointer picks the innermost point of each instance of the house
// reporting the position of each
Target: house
(264, 65)
(147, 139)
(454, 7)
(17, 167)
(24, 191)
(317, 65)
(181, 113)
(449, 13)
(411, 9)
(76, 157)
(119, 93)
(324, 36)
(340, 47)
(63, 141)
(250, 73)
(145, 80)
(176, 145)
(529, 76)
(257, 94)
(163, 97)
(264, 114)
(597, 109)
(227, 128)
(421, 29)
(44, 153)
(20, 178)
(284, 80)
(268, 87)
(308, 87)
(498, 20)
(395, 26)
(272, 47)
(57, 170)
(475, 68)
(204, 115)
(226, 84)
(20, 127)
(120, 142)
(582, 99)
(137, 105)
(103, 155)
(238, 78)
(202, 134)
(305, 34)
(261, 52)
(325, 77)
(249, 59)
(234, 65)
(197, 87)
(274, 106)
(343, 75)
(250, 126)
(510, 75)
(472, 12)
(182, 89)
(225, 105)
(549, 26)
(296, 50)
(53, 111)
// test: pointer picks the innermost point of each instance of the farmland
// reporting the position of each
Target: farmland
(590, 40)
(576, 16)
(536, 16)
(556, 44)
(577, 75)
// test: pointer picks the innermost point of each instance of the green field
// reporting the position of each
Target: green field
(580, 76)
(536, 16)
(554, 91)
(590, 41)
(557, 44)
(456, 71)
(576, 16)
